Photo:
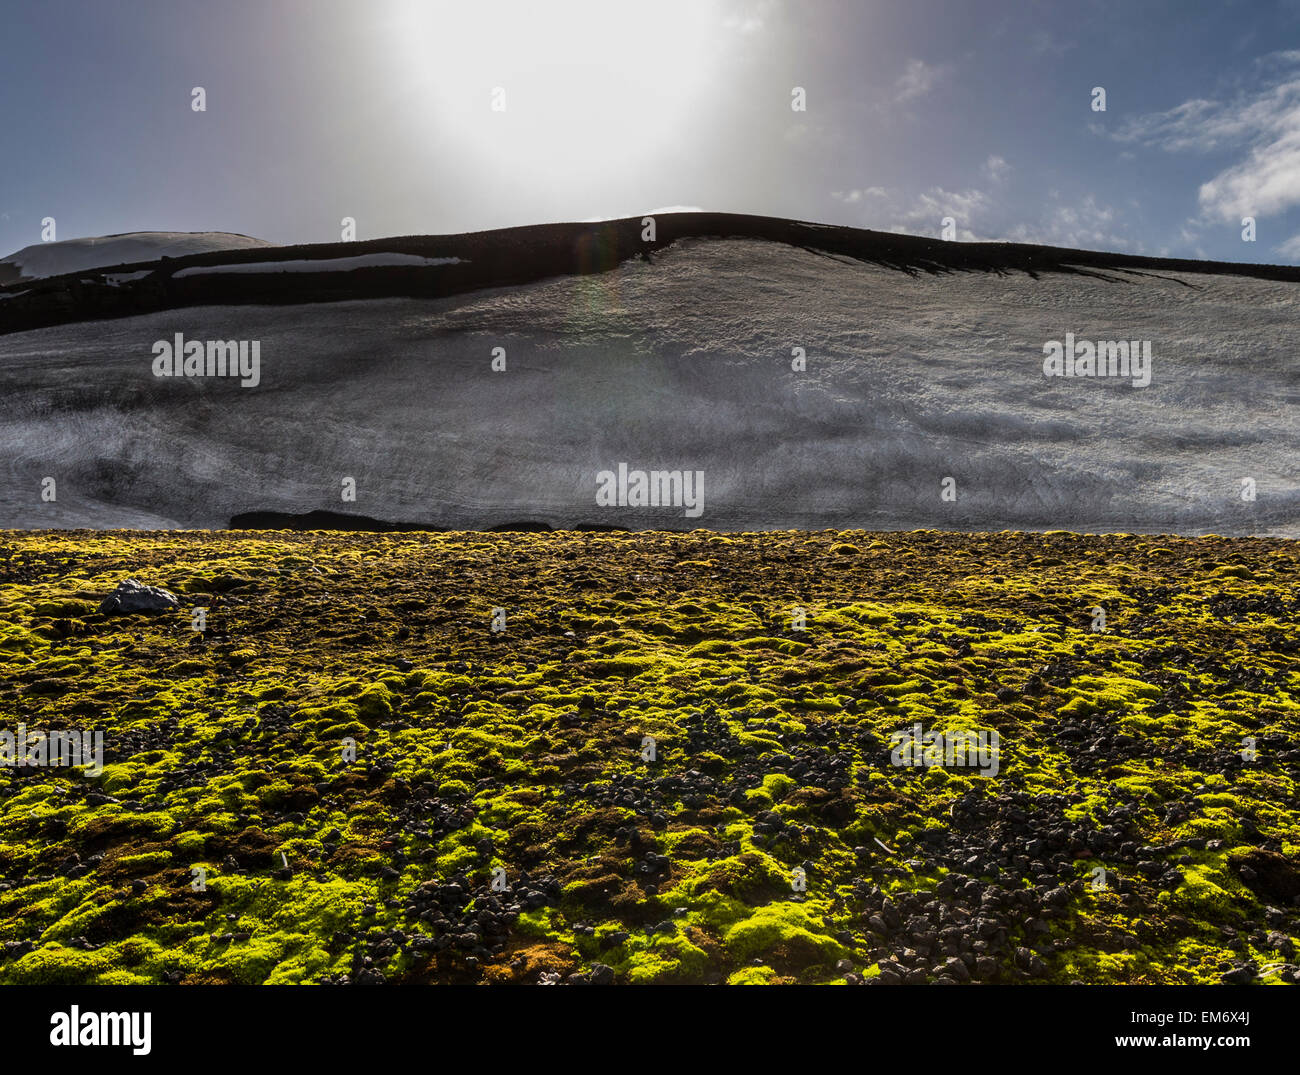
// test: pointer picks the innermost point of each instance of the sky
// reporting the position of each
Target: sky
(426, 117)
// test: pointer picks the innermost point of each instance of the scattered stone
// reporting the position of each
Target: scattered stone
(132, 596)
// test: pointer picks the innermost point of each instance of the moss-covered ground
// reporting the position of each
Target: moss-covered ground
(500, 822)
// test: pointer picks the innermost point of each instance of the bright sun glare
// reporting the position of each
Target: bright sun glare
(591, 87)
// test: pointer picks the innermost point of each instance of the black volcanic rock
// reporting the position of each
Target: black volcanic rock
(320, 520)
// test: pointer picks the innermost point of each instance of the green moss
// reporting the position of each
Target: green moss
(663, 960)
(786, 927)
(64, 607)
(53, 964)
(753, 976)
(517, 750)
(1210, 890)
(375, 702)
(150, 858)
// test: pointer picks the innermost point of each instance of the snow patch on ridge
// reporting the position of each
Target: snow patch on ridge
(361, 261)
(75, 255)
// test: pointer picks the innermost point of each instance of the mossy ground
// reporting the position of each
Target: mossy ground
(522, 750)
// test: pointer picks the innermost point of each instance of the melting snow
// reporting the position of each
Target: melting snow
(117, 279)
(75, 255)
(362, 261)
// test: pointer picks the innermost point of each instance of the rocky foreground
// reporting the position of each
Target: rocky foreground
(501, 822)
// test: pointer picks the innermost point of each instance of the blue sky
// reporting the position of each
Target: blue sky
(382, 111)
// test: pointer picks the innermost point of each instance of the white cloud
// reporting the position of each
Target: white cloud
(1290, 248)
(1196, 124)
(1266, 182)
(1264, 124)
(996, 168)
(1085, 225)
(918, 79)
(923, 215)
(1044, 43)
(852, 197)
(983, 215)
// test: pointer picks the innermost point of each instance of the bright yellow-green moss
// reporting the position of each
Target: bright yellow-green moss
(517, 750)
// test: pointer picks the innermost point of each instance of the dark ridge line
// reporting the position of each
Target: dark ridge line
(521, 255)
(320, 520)
(324, 519)
(918, 534)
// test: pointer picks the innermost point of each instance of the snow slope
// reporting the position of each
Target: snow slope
(74, 255)
(682, 363)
